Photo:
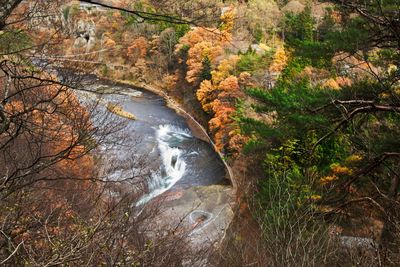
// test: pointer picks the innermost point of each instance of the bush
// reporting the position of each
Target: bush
(104, 71)
(291, 229)
(250, 61)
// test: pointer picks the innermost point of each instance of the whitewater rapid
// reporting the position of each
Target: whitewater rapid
(173, 167)
(157, 148)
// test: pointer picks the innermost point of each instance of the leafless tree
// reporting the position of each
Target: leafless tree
(58, 206)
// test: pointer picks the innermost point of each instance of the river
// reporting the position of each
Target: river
(183, 168)
(186, 178)
(176, 159)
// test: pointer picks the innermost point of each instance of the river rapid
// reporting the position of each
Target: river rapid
(177, 160)
(186, 178)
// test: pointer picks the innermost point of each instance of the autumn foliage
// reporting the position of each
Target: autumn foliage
(49, 138)
(138, 49)
(217, 97)
(225, 68)
(205, 43)
(197, 54)
(202, 43)
(279, 61)
(206, 94)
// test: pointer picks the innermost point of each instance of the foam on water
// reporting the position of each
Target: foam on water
(173, 164)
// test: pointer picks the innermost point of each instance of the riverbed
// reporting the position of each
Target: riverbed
(176, 157)
(185, 171)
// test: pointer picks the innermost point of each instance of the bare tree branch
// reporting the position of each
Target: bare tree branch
(6, 8)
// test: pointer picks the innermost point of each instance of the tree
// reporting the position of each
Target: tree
(168, 40)
(339, 144)
(206, 94)
(141, 15)
(58, 205)
(6, 10)
(205, 73)
(261, 17)
(197, 11)
(279, 61)
(205, 45)
(196, 57)
(138, 49)
(299, 26)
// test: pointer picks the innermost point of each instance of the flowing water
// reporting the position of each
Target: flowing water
(176, 158)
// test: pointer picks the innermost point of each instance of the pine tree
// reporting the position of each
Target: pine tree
(205, 73)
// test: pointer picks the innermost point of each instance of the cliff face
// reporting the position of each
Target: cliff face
(84, 33)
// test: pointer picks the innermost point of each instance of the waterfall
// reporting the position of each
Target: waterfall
(173, 164)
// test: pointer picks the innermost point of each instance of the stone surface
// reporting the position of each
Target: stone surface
(206, 211)
(358, 242)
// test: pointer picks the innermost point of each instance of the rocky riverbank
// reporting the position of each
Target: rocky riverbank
(206, 211)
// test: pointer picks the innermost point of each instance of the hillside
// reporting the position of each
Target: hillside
(301, 100)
